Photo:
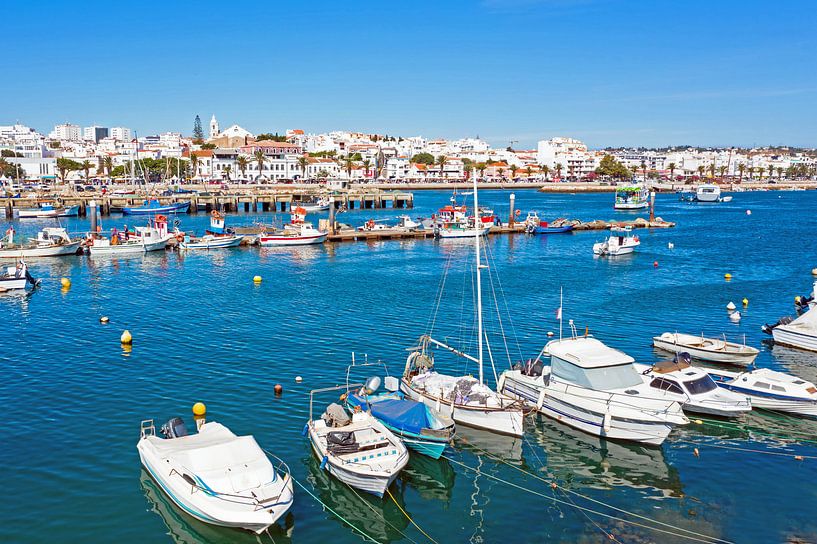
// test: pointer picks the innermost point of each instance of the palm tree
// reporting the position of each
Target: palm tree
(303, 162)
(107, 163)
(712, 169)
(528, 171)
(481, 166)
(701, 170)
(771, 170)
(779, 172)
(722, 171)
(227, 171)
(348, 164)
(64, 166)
(442, 160)
(672, 168)
(86, 167)
(644, 171)
(514, 168)
(194, 163)
(242, 162)
(545, 170)
(741, 170)
(260, 159)
(366, 165)
(559, 170)
(501, 172)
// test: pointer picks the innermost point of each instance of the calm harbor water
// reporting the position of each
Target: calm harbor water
(73, 397)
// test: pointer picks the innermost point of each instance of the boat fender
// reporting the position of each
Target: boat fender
(306, 429)
(189, 479)
(541, 400)
(438, 404)
(323, 462)
(608, 420)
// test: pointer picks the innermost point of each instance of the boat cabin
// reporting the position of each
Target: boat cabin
(589, 363)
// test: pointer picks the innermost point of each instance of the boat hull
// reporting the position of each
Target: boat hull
(631, 206)
(54, 251)
(182, 207)
(213, 243)
(775, 403)
(270, 240)
(503, 421)
(786, 335)
(127, 248)
(462, 233)
(553, 230)
(717, 356)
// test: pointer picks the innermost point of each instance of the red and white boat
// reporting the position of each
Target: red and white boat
(453, 221)
(298, 232)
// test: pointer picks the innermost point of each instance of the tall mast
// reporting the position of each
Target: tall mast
(478, 233)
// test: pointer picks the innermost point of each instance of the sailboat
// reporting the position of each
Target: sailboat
(467, 400)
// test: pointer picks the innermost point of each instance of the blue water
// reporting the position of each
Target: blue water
(73, 398)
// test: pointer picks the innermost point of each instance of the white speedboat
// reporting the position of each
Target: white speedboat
(152, 237)
(631, 196)
(407, 223)
(706, 349)
(359, 451)
(800, 332)
(708, 192)
(50, 242)
(771, 390)
(17, 277)
(320, 205)
(298, 232)
(216, 476)
(46, 210)
(211, 241)
(596, 389)
(693, 388)
(621, 241)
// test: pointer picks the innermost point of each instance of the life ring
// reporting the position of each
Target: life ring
(180, 237)
(161, 219)
(636, 238)
(216, 214)
(518, 213)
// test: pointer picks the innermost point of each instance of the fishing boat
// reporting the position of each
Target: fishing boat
(420, 427)
(298, 232)
(46, 210)
(631, 196)
(771, 390)
(216, 476)
(593, 388)
(216, 237)
(706, 349)
(359, 451)
(154, 206)
(534, 226)
(152, 237)
(693, 388)
(50, 242)
(467, 400)
(800, 332)
(453, 221)
(320, 205)
(621, 241)
(17, 277)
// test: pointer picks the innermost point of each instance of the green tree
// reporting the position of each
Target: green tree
(260, 159)
(67, 165)
(423, 158)
(323, 174)
(771, 170)
(303, 162)
(610, 167)
(501, 173)
(7, 169)
(270, 137)
(721, 171)
(366, 165)
(559, 168)
(514, 169)
(198, 132)
(208, 146)
(348, 165)
(528, 171)
(242, 162)
(107, 163)
(86, 167)
(672, 168)
(712, 169)
(194, 163)
(779, 172)
(545, 170)
(481, 167)
(741, 170)
(228, 170)
(701, 170)
(9, 153)
(442, 160)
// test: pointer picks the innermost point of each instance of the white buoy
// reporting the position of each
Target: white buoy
(298, 379)
(670, 245)
(748, 212)
(735, 317)
(550, 334)
(731, 306)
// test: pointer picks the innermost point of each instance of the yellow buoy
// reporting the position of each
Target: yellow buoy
(257, 279)
(65, 282)
(699, 422)
(745, 301)
(126, 337)
(199, 409)
(727, 276)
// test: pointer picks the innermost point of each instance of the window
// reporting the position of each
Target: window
(667, 385)
(778, 388)
(704, 384)
(761, 385)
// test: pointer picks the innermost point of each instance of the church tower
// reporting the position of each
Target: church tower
(213, 127)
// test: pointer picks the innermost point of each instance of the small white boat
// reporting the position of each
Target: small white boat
(50, 242)
(359, 451)
(298, 232)
(153, 237)
(631, 196)
(210, 241)
(706, 349)
(320, 205)
(216, 476)
(17, 277)
(46, 210)
(621, 241)
(708, 192)
(596, 389)
(771, 390)
(407, 223)
(693, 388)
(798, 333)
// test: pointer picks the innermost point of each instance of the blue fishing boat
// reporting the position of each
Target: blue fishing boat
(543, 228)
(534, 226)
(154, 206)
(421, 428)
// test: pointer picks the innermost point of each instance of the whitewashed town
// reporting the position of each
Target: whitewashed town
(74, 154)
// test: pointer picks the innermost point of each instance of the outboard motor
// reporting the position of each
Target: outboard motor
(782, 321)
(174, 428)
(682, 357)
(371, 385)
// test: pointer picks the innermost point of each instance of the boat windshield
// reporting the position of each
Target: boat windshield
(704, 384)
(601, 378)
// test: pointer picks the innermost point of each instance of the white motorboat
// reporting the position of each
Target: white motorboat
(407, 223)
(50, 242)
(46, 210)
(210, 241)
(693, 388)
(708, 192)
(467, 400)
(17, 277)
(359, 451)
(771, 390)
(152, 237)
(706, 349)
(216, 476)
(631, 196)
(298, 232)
(800, 332)
(320, 205)
(621, 241)
(596, 389)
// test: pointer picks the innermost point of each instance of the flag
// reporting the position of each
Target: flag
(559, 313)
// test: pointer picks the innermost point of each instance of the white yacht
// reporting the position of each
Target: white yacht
(693, 388)
(800, 332)
(596, 389)
(771, 390)
(621, 241)
(708, 192)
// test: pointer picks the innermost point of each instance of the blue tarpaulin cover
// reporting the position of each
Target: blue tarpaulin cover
(405, 415)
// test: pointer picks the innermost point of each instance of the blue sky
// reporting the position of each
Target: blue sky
(607, 71)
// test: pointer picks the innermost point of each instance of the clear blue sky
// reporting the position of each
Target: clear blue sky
(610, 72)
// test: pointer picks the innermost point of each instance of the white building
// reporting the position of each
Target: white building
(35, 168)
(120, 133)
(214, 127)
(23, 140)
(66, 132)
(94, 133)
(280, 160)
(571, 154)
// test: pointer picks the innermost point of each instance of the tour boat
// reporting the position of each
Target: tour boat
(621, 241)
(467, 400)
(154, 206)
(46, 210)
(17, 277)
(693, 388)
(771, 390)
(152, 237)
(800, 332)
(631, 196)
(216, 476)
(50, 242)
(217, 236)
(593, 388)
(296, 233)
(420, 427)
(708, 192)
(706, 349)
(359, 451)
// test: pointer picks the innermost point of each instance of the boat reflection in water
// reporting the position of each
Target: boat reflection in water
(381, 519)
(432, 478)
(505, 447)
(186, 529)
(603, 464)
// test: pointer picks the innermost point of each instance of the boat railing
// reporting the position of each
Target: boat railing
(325, 390)
(147, 428)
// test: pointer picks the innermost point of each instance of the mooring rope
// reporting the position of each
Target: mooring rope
(409, 517)
(344, 520)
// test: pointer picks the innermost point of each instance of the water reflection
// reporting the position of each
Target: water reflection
(433, 478)
(506, 448)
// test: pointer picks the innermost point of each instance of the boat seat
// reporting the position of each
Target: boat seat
(665, 367)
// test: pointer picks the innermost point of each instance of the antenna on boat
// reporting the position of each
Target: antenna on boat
(561, 289)
(477, 234)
